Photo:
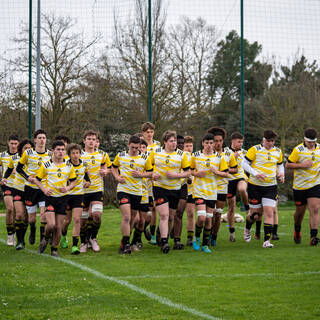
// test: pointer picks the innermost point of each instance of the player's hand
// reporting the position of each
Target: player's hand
(63, 189)
(213, 170)
(171, 175)
(201, 173)
(121, 179)
(103, 172)
(155, 176)
(31, 179)
(260, 176)
(48, 192)
(280, 178)
(87, 184)
(136, 173)
(3, 181)
(307, 164)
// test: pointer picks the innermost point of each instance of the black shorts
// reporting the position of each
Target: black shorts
(222, 197)
(162, 196)
(90, 197)
(74, 201)
(127, 198)
(7, 191)
(209, 203)
(144, 207)
(190, 199)
(18, 195)
(184, 192)
(58, 205)
(232, 187)
(33, 196)
(300, 197)
(256, 193)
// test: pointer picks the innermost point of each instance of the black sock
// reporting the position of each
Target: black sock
(190, 234)
(164, 241)
(267, 231)
(54, 249)
(152, 230)
(297, 228)
(75, 241)
(10, 229)
(275, 229)
(42, 229)
(24, 229)
(248, 224)
(232, 230)
(33, 227)
(198, 231)
(258, 227)
(145, 225)
(246, 206)
(177, 239)
(64, 233)
(83, 235)
(205, 237)
(19, 230)
(136, 236)
(95, 228)
(313, 233)
(125, 240)
(89, 227)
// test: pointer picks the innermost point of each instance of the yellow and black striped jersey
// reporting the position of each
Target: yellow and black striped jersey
(188, 181)
(264, 161)
(31, 161)
(239, 156)
(57, 176)
(94, 161)
(206, 187)
(80, 170)
(146, 187)
(164, 162)
(306, 178)
(126, 164)
(155, 145)
(8, 160)
(222, 183)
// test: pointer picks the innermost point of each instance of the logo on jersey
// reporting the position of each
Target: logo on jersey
(132, 164)
(59, 173)
(207, 163)
(39, 162)
(167, 159)
(93, 161)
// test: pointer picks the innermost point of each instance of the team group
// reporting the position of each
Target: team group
(156, 183)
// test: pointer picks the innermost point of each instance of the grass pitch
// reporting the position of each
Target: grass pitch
(236, 281)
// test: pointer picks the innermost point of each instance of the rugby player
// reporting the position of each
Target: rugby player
(170, 166)
(29, 164)
(5, 157)
(129, 168)
(264, 163)
(206, 165)
(305, 160)
(60, 179)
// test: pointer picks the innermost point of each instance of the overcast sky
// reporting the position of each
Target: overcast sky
(282, 26)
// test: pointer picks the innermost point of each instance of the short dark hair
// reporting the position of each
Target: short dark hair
(39, 131)
(144, 142)
(146, 126)
(57, 143)
(208, 136)
(311, 133)
(217, 131)
(237, 135)
(63, 138)
(139, 134)
(13, 137)
(179, 136)
(90, 133)
(270, 135)
(168, 134)
(134, 139)
(73, 146)
(23, 143)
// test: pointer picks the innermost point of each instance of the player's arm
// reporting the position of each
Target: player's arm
(233, 165)
(280, 169)
(115, 170)
(37, 181)
(8, 172)
(147, 173)
(185, 167)
(72, 181)
(294, 163)
(246, 164)
(86, 178)
(23, 160)
(222, 171)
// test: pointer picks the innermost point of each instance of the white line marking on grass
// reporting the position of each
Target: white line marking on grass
(232, 275)
(124, 283)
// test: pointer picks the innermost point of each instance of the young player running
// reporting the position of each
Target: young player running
(264, 164)
(305, 160)
(98, 164)
(5, 158)
(60, 179)
(28, 165)
(170, 166)
(206, 165)
(236, 183)
(75, 198)
(129, 168)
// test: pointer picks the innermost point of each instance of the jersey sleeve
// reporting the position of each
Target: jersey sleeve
(148, 165)
(193, 162)
(185, 163)
(233, 162)
(72, 174)
(251, 154)
(280, 158)
(223, 166)
(24, 159)
(151, 156)
(116, 162)
(294, 156)
(41, 172)
(107, 160)
(11, 164)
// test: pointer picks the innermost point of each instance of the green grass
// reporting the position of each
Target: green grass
(237, 281)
